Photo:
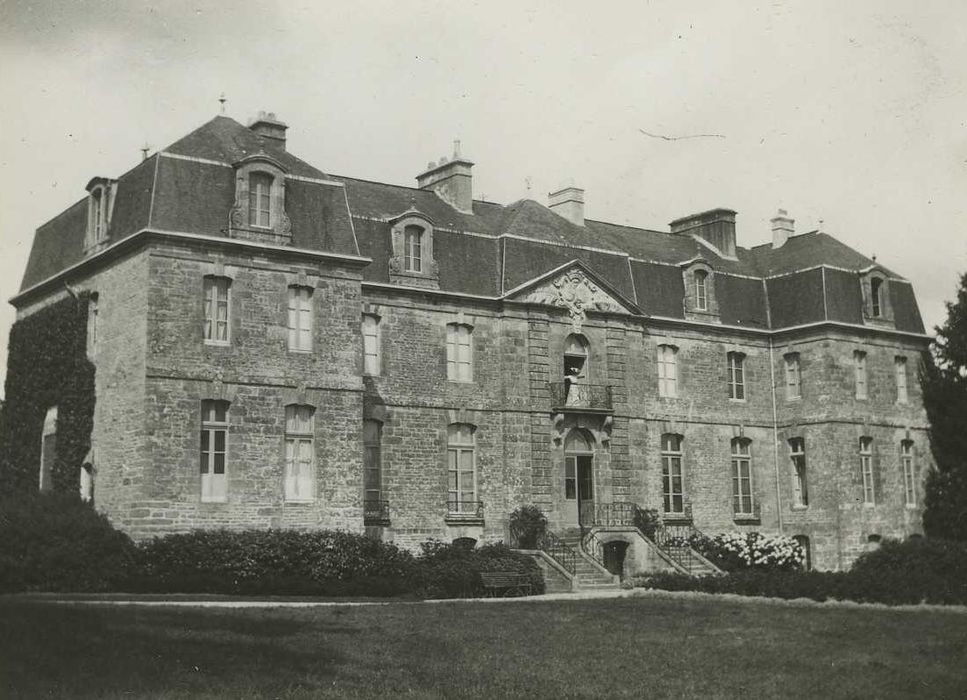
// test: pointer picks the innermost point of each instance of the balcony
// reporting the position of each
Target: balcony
(753, 515)
(375, 512)
(583, 398)
(464, 512)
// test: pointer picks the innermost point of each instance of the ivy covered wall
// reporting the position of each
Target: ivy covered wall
(47, 366)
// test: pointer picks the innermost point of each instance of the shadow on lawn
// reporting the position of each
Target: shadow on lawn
(74, 650)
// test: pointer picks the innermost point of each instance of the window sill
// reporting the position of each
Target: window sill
(460, 381)
(799, 507)
(910, 506)
(461, 519)
(214, 501)
(298, 501)
(300, 352)
(218, 343)
(869, 505)
(731, 400)
(793, 399)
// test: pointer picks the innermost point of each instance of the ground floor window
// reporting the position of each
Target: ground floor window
(461, 469)
(48, 450)
(673, 491)
(214, 450)
(742, 502)
(299, 452)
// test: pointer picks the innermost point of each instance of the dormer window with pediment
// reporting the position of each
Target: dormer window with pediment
(412, 262)
(259, 212)
(100, 205)
(700, 302)
(877, 308)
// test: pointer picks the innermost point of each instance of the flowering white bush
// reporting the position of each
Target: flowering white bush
(750, 550)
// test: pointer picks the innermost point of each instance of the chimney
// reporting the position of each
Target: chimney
(451, 180)
(268, 126)
(569, 203)
(782, 228)
(716, 226)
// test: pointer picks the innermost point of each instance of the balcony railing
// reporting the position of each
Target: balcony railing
(748, 516)
(375, 512)
(465, 510)
(580, 397)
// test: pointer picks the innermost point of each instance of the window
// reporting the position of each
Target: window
(742, 503)
(793, 379)
(701, 290)
(803, 543)
(900, 368)
(673, 492)
(92, 326)
(866, 470)
(876, 300)
(216, 330)
(372, 465)
(736, 375)
(48, 449)
(260, 200)
(371, 345)
(97, 215)
(667, 371)
(300, 319)
(909, 473)
(859, 368)
(459, 353)
(461, 476)
(86, 482)
(797, 455)
(413, 249)
(214, 450)
(299, 453)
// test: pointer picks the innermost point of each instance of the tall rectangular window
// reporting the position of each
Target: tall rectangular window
(900, 368)
(461, 470)
(413, 249)
(300, 319)
(866, 470)
(299, 452)
(214, 450)
(859, 369)
(260, 200)
(216, 329)
(736, 362)
(673, 488)
(793, 378)
(701, 290)
(92, 325)
(909, 473)
(797, 455)
(371, 345)
(48, 450)
(667, 371)
(742, 502)
(372, 466)
(459, 353)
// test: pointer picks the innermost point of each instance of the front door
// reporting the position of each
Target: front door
(579, 489)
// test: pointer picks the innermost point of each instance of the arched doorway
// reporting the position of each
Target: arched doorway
(614, 556)
(579, 477)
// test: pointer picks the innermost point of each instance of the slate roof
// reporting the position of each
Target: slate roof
(510, 244)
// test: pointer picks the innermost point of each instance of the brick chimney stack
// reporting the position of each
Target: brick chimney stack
(451, 180)
(783, 228)
(267, 125)
(569, 203)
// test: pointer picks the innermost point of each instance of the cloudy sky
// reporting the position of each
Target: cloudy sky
(850, 114)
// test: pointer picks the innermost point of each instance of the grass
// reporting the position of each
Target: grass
(634, 647)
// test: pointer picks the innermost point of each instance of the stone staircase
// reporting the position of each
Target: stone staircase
(587, 574)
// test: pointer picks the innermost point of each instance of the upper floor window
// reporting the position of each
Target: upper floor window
(736, 377)
(214, 450)
(876, 296)
(299, 452)
(673, 487)
(859, 371)
(217, 327)
(260, 199)
(48, 450)
(797, 455)
(413, 249)
(742, 500)
(371, 345)
(667, 371)
(92, 325)
(300, 319)
(876, 300)
(459, 353)
(701, 290)
(909, 473)
(866, 470)
(100, 202)
(900, 368)
(793, 377)
(461, 469)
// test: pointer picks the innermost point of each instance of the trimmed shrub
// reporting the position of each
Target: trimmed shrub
(527, 526)
(448, 571)
(735, 551)
(56, 542)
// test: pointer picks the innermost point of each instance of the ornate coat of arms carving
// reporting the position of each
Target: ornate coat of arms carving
(575, 292)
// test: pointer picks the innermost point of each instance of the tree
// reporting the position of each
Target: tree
(943, 378)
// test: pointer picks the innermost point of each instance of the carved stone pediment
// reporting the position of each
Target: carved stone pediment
(576, 292)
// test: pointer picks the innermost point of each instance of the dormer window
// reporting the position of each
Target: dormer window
(413, 249)
(412, 262)
(876, 297)
(259, 211)
(876, 303)
(699, 283)
(701, 290)
(100, 202)
(260, 200)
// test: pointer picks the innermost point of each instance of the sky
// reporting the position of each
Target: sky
(851, 116)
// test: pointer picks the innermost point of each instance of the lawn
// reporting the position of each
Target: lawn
(640, 647)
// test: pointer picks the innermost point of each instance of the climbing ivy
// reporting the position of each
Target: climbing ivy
(47, 366)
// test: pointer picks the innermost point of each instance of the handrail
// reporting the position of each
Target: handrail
(558, 550)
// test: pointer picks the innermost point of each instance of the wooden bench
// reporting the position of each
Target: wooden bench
(506, 583)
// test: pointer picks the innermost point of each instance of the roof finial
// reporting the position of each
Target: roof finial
(820, 230)
(144, 151)
(874, 257)
(527, 183)
(222, 100)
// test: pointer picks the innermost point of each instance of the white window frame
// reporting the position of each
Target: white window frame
(45, 480)
(459, 449)
(215, 300)
(797, 459)
(214, 486)
(372, 345)
(793, 376)
(672, 468)
(260, 184)
(299, 477)
(667, 371)
(736, 376)
(866, 470)
(742, 481)
(300, 318)
(860, 375)
(900, 371)
(413, 248)
(459, 352)
(909, 473)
